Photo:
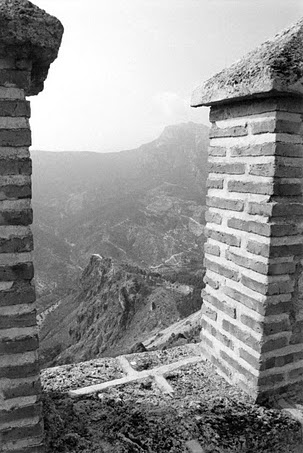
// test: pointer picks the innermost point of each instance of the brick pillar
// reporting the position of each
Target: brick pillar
(252, 314)
(24, 61)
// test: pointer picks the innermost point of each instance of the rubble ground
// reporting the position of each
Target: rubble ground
(141, 416)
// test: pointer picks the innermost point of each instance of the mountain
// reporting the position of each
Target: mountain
(143, 207)
(116, 306)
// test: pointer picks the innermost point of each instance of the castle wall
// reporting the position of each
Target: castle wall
(20, 407)
(252, 312)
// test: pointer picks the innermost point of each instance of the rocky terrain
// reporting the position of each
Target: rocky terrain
(192, 409)
(117, 305)
(144, 208)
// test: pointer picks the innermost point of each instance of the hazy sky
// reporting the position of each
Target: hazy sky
(127, 68)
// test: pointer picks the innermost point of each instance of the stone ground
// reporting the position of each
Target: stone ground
(160, 401)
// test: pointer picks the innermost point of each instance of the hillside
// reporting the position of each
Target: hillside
(144, 207)
(116, 306)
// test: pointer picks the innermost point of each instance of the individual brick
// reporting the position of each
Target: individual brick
(279, 171)
(15, 244)
(18, 79)
(23, 432)
(264, 209)
(15, 108)
(255, 106)
(256, 326)
(20, 413)
(16, 217)
(15, 166)
(281, 287)
(20, 271)
(251, 187)
(19, 344)
(243, 261)
(207, 311)
(20, 292)
(235, 131)
(220, 236)
(241, 369)
(19, 320)
(297, 373)
(287, 189)
(217, 151)
(211, 282)
(213, 183)
(14, 372)
(213, 217)
(250, 226)
(274, 125)
(225, 203)
(258, 248)
(15, 191)
(250, 359)
(221, 269)
(19, 389)
(218, 335)
(218, 304)
(212, 249)
(247, 301)
(265, 149)
(281, 268)
(227, 168)
(15, 137)
(289, 149)
(242, 335)
(272, 379)
(276, 327)
(263, 127)
(274, 344)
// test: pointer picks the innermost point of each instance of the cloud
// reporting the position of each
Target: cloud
(171, 105)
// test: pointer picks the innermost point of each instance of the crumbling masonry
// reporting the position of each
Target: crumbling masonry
(29, 42)
(252, 317)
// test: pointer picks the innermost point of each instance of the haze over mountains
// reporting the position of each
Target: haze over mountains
(143, 209)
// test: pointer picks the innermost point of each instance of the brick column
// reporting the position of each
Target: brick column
(252, 315)
(26, 52)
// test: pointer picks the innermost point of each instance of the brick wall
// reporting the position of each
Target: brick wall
(20, 407)
(253, 299)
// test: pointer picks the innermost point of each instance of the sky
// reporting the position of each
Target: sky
(127, 68)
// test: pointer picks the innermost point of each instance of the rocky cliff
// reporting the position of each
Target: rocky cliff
(116, 306)
(144, 207)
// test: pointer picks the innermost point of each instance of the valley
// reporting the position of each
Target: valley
(141, 208)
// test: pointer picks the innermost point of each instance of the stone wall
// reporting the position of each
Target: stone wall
(23, 68)
(252, 316)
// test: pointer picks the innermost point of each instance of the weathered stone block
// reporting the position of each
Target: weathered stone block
(212, 249)
(242, 335)
(236, 131)
(263, 188)
(227, 168)
(240, 260)
(222, 306)
(216, 151)
(225, 203)
(214, 183)
(15, 108)
(221, 269)
(263, 229)
(15, 137)
(214, 217)
(19, 344)
(220, 236)
(21, 271)
(18, 292)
